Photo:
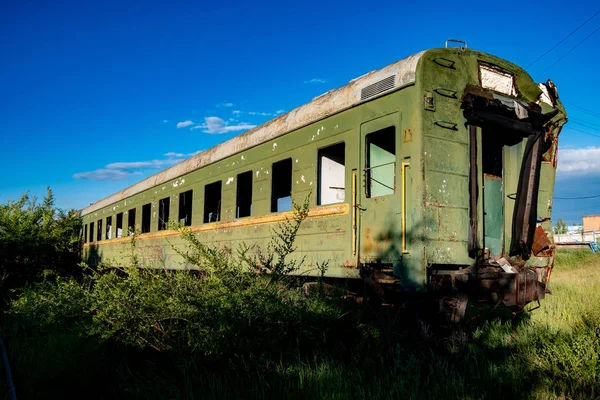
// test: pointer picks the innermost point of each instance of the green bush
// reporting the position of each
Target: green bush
(233, 328)
(36, 238)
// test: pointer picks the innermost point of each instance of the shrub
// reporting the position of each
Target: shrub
(232, 305)
(37, 237)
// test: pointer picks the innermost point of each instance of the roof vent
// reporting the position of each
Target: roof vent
(378, 87)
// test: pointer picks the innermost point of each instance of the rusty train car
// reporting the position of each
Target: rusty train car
(433, 174)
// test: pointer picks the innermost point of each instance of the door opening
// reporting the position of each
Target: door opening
(497, 177)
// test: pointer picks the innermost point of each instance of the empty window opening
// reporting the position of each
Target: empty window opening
(119, 225)
(131, 222)
(212, 202)
(99, 232)
(185, 207)
(493, 141)
(244, 195)
(108, 228)
(164, 206)
(332, 174)
(281, 186)
(146, 211)
(85, 228)
(91, 231)
(380, 172)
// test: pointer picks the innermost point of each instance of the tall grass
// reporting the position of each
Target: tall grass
(292, 346)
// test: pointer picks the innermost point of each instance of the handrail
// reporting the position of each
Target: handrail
(456, 41)
(354, 212)
(404, 166)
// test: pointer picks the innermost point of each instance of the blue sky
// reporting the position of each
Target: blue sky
(92, 93)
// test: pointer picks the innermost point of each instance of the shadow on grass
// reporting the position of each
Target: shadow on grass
(405, 358)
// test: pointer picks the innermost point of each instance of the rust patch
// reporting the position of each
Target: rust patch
(408, 136)
(368, 245)
(492, 177)
(540, 241)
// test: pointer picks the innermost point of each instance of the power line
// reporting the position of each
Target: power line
(570, 51)
(587, 124)
(583, 109)
(579, 130)
(587, 133)
(565, 38)
(577, 198)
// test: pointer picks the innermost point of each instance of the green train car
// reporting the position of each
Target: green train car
(434, 174)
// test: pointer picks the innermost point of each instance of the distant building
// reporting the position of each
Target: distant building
(574, 228)
(591, 223)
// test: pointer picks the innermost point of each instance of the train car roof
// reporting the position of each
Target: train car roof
(370, 85)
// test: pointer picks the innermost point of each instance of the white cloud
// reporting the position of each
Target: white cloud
(185, 124)
(279, 112)
(216, 125)
(105, 175)
(236, 112)
(165, 121)
(220, 105)
(119, 170)
(262, 114)
(155, 164)
(173, 154)
(579, 162)
(316, 80)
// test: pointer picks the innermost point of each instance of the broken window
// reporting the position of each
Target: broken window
(281, 186)
(146, 214)
(332, 174)
(164, 207)
(380, 171)
(91, 231)
(85, 233)
(244, 195)
(131, 221)
(108, 228)
(99, 232)
(212, 202)
(185, 208)
(119, 225)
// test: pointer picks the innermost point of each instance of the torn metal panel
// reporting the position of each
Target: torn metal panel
(540, 241)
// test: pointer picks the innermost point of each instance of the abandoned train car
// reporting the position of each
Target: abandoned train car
(433, 174)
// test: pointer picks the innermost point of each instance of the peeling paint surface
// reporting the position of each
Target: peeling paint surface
(323, 106)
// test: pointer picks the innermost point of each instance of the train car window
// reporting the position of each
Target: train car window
(380, 171)
(91, 231)
(85, 233)
(185, 207)
(146, 211)
(332, 174)
(164, 207)
(281, 186)
(131, 221)
(119, 225)
(244, 195)
(212, 202)
(99, 232)
(108, 228)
